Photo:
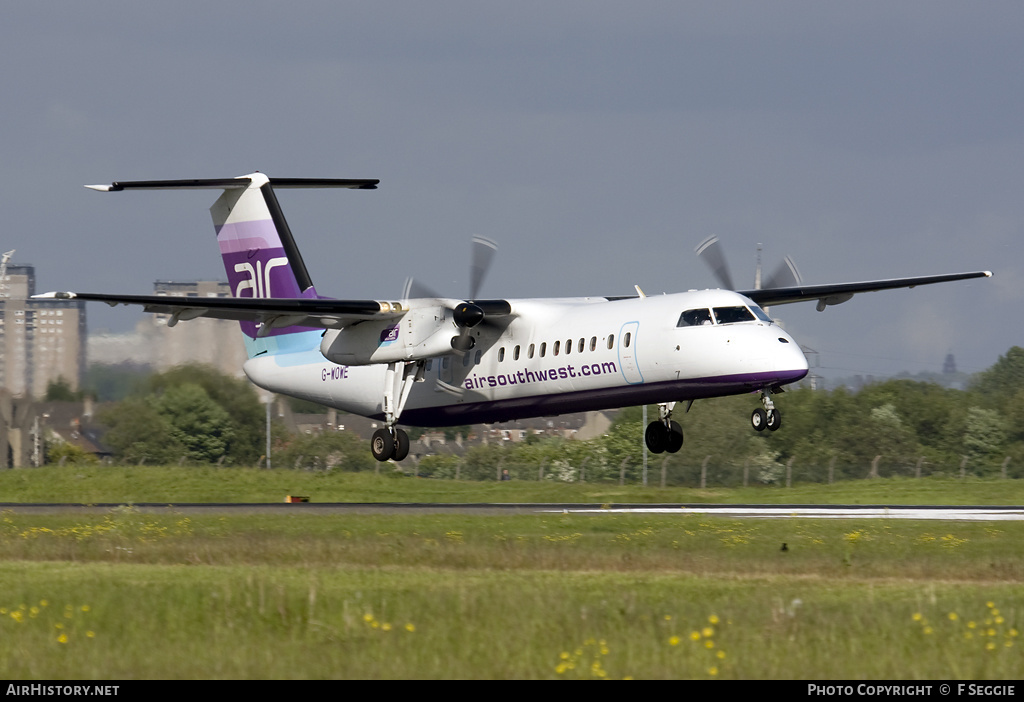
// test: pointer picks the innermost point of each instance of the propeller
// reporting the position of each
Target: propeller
(785, 275)
(471, 312)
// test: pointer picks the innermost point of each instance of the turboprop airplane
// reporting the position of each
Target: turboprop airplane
(433, 361)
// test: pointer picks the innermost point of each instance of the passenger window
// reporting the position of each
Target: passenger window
(515, 353)
(625, 340)
(593, 343)
(611, 341)
(543, 349)
(529, 354)
(568, 347)
(479, 355)
(501, 354)
(731, 315)
(694, 318)
(465, 360)
(555, 350)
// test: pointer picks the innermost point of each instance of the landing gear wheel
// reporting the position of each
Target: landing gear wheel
(774, 420)
(675, 438)
(382, 445)
(656, 437)
(759, 419)
(401, 445)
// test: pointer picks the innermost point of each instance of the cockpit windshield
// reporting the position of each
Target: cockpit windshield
(722, 315)
(695, 318)
(761, 314)
(731, 315)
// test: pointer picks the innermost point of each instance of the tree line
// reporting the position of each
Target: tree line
(195, 415)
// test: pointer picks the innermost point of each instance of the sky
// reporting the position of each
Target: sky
(598, 143)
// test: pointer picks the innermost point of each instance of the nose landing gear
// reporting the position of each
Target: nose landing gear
(768, 418)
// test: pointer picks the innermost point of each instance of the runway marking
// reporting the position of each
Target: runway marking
(971, 514)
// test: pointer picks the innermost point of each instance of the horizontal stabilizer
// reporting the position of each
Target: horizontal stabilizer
(232, 183)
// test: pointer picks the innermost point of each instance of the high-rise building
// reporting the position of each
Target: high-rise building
(40, 341)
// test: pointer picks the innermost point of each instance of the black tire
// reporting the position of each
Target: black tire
(675, 438)
(759, 419)
(656, 437)
(401, 445)
(382, 446)
(774, 420)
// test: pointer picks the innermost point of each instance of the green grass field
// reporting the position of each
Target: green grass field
(129, 594)
(121, 484)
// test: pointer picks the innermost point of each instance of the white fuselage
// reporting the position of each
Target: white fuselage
(559, 356)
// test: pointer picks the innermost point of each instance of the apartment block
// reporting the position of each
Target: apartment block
(40, 341)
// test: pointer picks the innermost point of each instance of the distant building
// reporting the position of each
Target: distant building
(40, 341)
(214, 342)
(949, 365)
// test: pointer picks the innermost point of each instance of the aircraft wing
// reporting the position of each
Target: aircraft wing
(271, 312)
(838, 293)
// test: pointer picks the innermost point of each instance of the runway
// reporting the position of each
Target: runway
(940, 513)
(749, 511)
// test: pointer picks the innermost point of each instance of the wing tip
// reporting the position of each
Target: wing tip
(55, 296)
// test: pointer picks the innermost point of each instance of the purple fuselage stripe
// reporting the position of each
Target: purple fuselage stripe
(593, 400)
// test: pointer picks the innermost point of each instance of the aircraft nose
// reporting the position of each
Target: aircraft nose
(788, 354)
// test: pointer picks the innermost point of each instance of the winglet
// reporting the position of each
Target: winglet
(101, 188)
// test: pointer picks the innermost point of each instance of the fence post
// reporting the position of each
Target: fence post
(664, 464)
(704, 472)
(917, 470)
(963, 468)
(832, 470)
(746, 471)
(789, 472)
(1006, 462)
(583, 470)
(622, 471)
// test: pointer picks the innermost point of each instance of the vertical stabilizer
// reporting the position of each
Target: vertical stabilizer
(259, 253)
(260, 256)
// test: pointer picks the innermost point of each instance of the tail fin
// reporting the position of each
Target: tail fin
(259, 253)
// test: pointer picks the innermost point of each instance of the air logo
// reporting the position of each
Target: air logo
(259, 277)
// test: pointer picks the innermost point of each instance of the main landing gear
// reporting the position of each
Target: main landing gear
(768, 418)
(663, 434)
(391, 443)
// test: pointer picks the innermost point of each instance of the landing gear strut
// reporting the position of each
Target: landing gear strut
(768, 418)
(663, 434)
(391, 443)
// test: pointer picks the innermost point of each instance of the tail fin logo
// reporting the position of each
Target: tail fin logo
(259, 277)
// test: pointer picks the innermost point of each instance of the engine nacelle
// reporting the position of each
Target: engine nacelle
(419, 333)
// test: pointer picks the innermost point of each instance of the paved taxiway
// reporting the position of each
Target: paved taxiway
(932, 512)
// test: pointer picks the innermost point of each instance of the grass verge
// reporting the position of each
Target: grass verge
(127, 595)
